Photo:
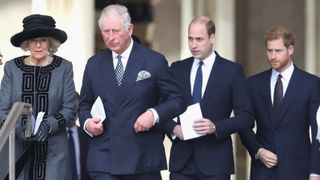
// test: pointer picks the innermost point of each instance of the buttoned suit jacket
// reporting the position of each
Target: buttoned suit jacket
(225, 91)
(119, 150)
(288, 137)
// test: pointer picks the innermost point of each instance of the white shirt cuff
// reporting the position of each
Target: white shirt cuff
(155, 116)
(315, 175)
(84, 128)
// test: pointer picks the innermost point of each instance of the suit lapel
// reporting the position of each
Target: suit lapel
(134, 65)
(292, 90)
(108, 81)
(186, 76)
(264, 88)
(214, 78)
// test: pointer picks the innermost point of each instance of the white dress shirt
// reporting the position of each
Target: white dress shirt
(286, 76)
(206, 70)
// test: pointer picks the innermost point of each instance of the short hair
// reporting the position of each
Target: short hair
(115, 9)
(210, 26)
(54, 44)
(280, 32)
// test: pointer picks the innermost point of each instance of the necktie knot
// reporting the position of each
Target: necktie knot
(119, 57)
(279, 77)
(119, 70)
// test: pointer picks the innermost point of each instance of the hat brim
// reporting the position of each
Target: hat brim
(58, 34)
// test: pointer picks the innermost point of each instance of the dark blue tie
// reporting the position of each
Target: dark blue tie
(197, 87)
(72, 156)
(277, 98)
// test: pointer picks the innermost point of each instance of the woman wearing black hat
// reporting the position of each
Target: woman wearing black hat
(45, 81)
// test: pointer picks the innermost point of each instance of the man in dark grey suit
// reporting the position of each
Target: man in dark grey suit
(222, 89)
(285, 100)
(138, 93)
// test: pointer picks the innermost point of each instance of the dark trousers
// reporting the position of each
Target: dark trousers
(108, 176)
(177, 176)
(191, 172)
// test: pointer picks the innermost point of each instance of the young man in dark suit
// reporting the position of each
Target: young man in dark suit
(221, 90)
(138, 93)
(285, 100)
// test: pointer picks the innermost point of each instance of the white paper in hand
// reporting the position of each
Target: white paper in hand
(318, 122)
(97, 109)
(187, 119)
(37, 122)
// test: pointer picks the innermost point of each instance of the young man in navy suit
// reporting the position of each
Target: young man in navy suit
(223, 90)
(138, 93)
(285, 100)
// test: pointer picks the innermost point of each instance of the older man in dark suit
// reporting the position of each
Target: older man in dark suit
(221, 89)
(285, 100)
(138, 93)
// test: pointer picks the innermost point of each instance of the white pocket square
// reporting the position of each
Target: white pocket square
(143, 75)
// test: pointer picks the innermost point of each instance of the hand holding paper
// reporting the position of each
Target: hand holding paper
(97, 109)
(204, 126)
(187, 120)
(94, 126)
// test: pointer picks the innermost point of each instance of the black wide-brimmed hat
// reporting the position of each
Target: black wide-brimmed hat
(37, 25)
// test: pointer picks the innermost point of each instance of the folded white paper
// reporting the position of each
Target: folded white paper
(318, 122)
(37, 122)
(187, 119)
(97, 109)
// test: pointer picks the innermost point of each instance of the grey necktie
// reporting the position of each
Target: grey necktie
(119, 70)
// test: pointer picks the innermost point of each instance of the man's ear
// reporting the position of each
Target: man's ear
(291, 49)
(212, 38)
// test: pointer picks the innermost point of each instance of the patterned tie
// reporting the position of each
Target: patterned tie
(119, 70)
(197, 87)
(72, 156)
(277, 98)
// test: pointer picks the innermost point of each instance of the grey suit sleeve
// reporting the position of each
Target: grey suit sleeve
(67, 110)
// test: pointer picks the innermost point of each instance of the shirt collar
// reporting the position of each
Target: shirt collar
(207, 61)
(286, 75)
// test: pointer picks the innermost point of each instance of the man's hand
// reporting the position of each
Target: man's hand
(94, 126)
(314, 177)
(267, 157)
(177, 131)
(144, 122)
(204, 126)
